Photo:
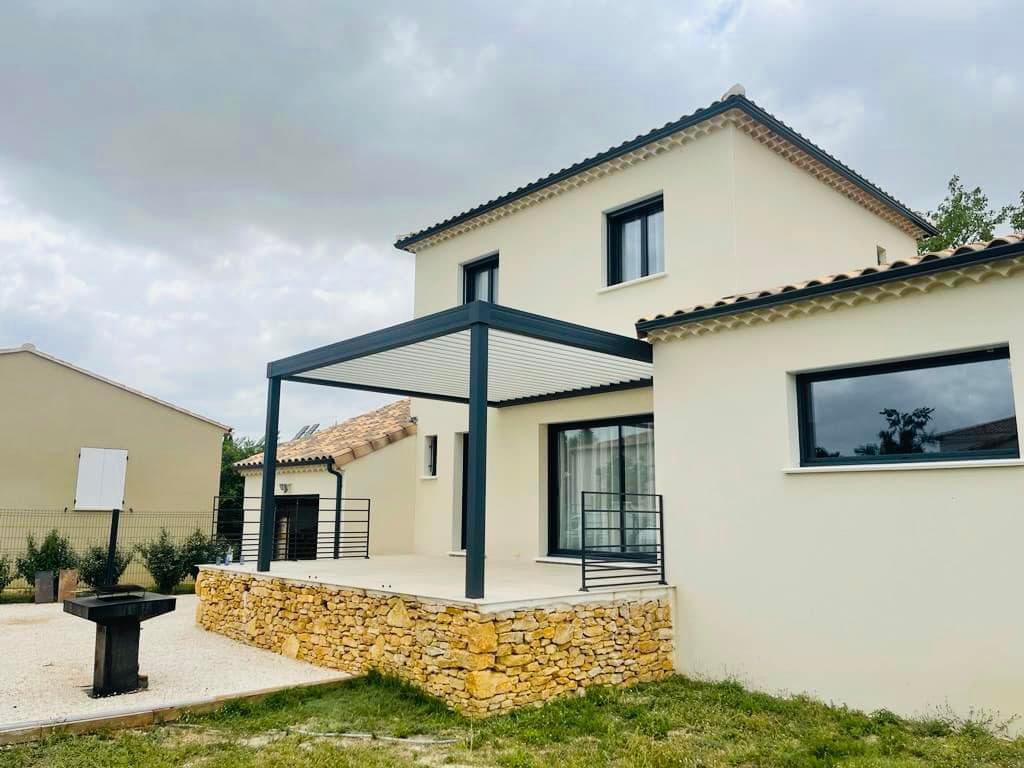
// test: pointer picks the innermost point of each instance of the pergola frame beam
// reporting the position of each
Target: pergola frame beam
(478, 318)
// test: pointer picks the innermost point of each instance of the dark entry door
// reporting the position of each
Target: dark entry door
(295, 527)
(465, 488)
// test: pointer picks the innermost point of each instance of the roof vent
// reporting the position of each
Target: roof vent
(28, 347)
(736, 90)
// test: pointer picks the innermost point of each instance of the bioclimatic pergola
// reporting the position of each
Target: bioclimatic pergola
(481, 354)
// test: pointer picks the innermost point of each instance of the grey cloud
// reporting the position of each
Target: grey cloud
(219, 183)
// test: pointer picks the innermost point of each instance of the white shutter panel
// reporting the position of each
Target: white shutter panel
(101, 477)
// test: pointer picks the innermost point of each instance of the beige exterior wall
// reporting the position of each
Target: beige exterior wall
(737, 217)
(385, 477)
(517, 476)
(887, 588)
(790, 227)
(48, 412)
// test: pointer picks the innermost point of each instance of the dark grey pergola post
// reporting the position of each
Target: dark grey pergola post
(267, 508)
(535, 358)
(476, 483)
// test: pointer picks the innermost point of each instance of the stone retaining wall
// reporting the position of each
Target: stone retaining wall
(478, 662)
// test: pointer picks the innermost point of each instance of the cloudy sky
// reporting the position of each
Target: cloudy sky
(190, 189)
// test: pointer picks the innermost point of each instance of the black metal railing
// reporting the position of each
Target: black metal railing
(622, 539)
(305, 527)
(69, 538)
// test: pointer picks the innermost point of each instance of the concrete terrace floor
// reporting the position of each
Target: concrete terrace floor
(506, 582)
(46, 665)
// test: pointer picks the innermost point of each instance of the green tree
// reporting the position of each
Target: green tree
(905, 432)
(165, 562)
(54, 554)
(6, 573)
(232, 484)
(1017, 215)
(92, 566)
(965, 216)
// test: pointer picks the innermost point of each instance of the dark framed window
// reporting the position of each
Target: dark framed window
(945, 408)
(636, 241)
(481, 280)
(609, 456)
(430, 456)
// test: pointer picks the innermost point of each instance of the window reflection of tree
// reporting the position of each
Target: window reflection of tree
(905, 432)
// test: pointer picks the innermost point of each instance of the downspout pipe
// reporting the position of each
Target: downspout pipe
(329, 466)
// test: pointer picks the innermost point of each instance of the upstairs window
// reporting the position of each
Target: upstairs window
(481, 278)
(430, 456)
(636, 241)
(955, 407)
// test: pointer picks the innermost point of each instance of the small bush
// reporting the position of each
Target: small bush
(165, 562)
(7, 574)
(199, 549)
(55, 554)
(92, 566)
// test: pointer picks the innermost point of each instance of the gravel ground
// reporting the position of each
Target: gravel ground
(46, 664)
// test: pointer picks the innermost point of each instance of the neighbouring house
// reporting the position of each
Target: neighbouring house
(353, 471)
(717, 387)
(76, 441)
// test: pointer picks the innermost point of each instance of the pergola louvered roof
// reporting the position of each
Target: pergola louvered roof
(529, 358)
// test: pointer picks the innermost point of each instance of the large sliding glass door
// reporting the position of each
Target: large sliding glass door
(614, 457)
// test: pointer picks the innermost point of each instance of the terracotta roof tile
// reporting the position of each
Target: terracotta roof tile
(737, 300)
(348, 440)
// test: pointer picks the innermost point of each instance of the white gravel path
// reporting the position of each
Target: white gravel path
(46, 664)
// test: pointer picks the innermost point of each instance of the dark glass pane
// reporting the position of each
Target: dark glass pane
(630, 243)
(479, 283)
(958, 408)
(480, 289)
(656, 243)
(588, 460)
(638, 461)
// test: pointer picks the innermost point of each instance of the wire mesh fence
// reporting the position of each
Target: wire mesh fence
(304, 528)
(72, 539)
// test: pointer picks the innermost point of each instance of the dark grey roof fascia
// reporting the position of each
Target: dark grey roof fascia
(925, 267)
(717, 108)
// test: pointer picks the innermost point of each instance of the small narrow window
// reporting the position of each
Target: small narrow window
(636, 242)
(430, 456)
(954, 407)
(481, 280)
(880, 255)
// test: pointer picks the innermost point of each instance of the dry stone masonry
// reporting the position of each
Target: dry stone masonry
(478, 662)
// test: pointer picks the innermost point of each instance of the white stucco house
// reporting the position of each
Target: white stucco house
(348, 470)
(716, 348)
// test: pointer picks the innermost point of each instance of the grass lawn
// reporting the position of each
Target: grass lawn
(678, 722)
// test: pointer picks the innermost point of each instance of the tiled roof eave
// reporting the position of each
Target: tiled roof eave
(973, 266)
(734, 110)
(344, 442)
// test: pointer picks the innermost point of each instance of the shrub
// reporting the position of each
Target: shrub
(6, 573)
(199, 549)
(55, 554)
(165, 562)
(92, 566)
